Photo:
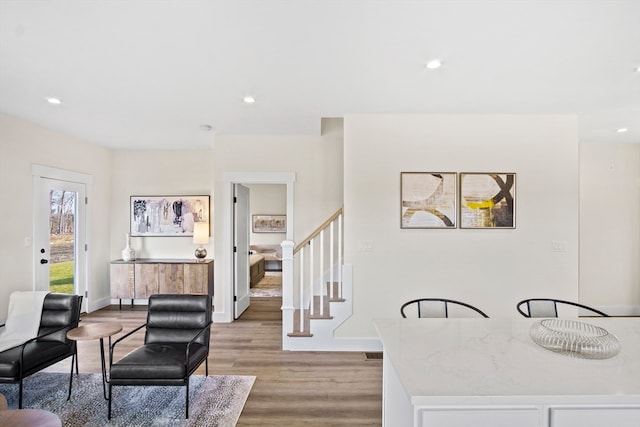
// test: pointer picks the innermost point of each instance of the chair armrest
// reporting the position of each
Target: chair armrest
(24, 344)
(34, 339)
(44, 335)
(205, 329)
(120, 339)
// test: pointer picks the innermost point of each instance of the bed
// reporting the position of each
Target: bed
(256, 269)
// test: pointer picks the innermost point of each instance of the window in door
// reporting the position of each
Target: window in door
(62, 240)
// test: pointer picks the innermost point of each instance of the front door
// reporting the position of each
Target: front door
(242, 294)
(60, 237)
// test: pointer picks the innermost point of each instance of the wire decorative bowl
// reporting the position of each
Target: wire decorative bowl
(576, 339)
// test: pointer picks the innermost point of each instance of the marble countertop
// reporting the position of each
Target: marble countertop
(438, 360)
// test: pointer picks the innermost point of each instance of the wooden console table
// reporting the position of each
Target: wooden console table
(138, 279)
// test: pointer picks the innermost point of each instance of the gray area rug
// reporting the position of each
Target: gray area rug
(216, 400)
(269, 286)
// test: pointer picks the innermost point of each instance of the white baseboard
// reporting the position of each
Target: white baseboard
(337, 344)
(221, 317)
(98, 304)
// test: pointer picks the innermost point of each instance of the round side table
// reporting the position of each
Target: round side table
(29, 418)
(97, 331)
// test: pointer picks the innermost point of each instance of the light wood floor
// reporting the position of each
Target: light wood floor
(291, 388)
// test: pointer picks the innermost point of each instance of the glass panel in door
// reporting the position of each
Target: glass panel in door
(62, 240)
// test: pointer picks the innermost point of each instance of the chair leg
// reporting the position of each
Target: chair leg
(206, 367)
(76, 355)
(109, 410)
(187, 400)
(73, 357)
(20, 395)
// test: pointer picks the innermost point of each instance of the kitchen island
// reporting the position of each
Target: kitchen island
(490, 373)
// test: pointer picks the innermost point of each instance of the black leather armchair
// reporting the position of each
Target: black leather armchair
(60, 313)
(176, 343)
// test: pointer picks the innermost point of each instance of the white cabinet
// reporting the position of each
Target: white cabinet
(595, 417)
(485, 417)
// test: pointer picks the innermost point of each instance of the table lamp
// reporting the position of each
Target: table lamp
(201, 237)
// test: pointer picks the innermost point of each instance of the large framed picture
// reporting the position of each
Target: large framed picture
(269, 223)
(428, 199)
(167, 215)
(487, 200)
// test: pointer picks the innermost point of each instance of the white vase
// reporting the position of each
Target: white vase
(128, 254)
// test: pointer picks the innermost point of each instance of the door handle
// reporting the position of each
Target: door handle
(44, 261)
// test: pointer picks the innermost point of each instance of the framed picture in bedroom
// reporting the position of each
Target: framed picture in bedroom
(428, 199)
(269, 223)
(487, 200)
(167, 215)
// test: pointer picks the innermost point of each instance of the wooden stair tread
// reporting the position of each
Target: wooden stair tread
(298, 334)
(320, 316)
(336, 292)
(326, 315)
(306, 327)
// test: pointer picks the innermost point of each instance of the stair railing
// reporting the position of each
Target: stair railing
(305, 271)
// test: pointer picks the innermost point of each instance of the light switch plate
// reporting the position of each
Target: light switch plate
(365, 245)
(559, 246)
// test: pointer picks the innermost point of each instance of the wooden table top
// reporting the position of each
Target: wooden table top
(94, 331)
(29, 418)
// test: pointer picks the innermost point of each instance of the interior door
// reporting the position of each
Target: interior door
(60, 237)
(242, 295)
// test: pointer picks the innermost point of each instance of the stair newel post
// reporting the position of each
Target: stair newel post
(311, 259)
(331, 260)
(321, 281)
(301, 259)
(340, 255)
(288, 308)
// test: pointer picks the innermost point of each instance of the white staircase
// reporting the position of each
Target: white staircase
(314, 295)
(317, 292)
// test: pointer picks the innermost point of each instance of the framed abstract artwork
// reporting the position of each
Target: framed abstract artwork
(428, 199)
(487, 200)
(269, 223)
(167, 215)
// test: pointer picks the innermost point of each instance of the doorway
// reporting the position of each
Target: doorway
(59, 242)
(225, 287)
(268, 227)
(241, 211)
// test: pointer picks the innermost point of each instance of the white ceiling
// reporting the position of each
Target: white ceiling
(147, 74)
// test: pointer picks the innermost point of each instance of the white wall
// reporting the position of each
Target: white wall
(157, 173)
(317, 163)
(23, 144)
(492, 269)
(610, 227)
(267, 199)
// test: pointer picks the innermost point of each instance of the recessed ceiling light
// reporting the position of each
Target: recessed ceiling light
(637, 69)
(433, 64)
(249, 99)
(54, 101)
(622, 130)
